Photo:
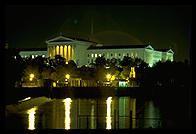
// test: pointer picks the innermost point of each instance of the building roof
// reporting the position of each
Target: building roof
(165, 50)
(117, 47)
(63, 38)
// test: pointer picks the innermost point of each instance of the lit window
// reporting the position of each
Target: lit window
(43, 55)
(33, 56)
(115, 54)
(92, 55)
(123, 54)
(108, 54)
(136, 54)
(14, 57)
(132, 54)
(36, 55)
(99, 55)
(95, 55)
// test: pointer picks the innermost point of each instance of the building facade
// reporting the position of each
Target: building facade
(85, 52)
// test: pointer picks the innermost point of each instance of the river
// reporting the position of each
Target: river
(85, 113)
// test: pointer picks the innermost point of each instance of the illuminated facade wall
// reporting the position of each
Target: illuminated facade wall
(148, 54)
(34, 54)
(69, 48)
(64, 50)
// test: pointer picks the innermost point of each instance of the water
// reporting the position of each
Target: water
(78, 113)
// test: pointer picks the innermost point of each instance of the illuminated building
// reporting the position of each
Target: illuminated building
(144, 52)
(84, 52)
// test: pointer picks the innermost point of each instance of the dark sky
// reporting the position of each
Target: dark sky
(163, 26)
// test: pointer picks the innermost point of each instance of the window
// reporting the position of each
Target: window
(108, 54)
(118, 54)
(115, 54)
(32, 56)
(123, 54)
(127, 54)
(95, 55)
(111, 54)
(99, 55)
(88, 55)
(103, 54)
(132, 54)
(43, 56)
(136, 54)
(92, 55)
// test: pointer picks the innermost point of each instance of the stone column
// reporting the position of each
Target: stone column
(54, 51)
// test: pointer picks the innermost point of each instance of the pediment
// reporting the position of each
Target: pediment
(149, 47)
(170, 51)
(60, 39)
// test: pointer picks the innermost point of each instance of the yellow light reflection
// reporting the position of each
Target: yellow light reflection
(108, 117)
(31, 118)
(67, 121)
(28, 98)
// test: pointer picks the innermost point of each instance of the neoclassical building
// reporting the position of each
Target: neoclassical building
(84, 52)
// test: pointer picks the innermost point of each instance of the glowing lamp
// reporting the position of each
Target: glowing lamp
(31, 76)
(67, 76)
(108, 76)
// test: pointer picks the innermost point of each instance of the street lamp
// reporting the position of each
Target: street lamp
(108, 77)
(31, 76)
(67, 77)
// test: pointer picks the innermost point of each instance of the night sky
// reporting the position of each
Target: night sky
(163, 26)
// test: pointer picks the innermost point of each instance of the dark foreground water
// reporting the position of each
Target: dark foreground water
(99, 113)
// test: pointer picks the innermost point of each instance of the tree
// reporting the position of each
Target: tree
(127, 61)
(31, 69)
(100, 61)
(59, 60)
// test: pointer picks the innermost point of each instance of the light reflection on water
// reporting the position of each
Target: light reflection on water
(67, 103)
(108, 118)
(31, 118)
(102, 113)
